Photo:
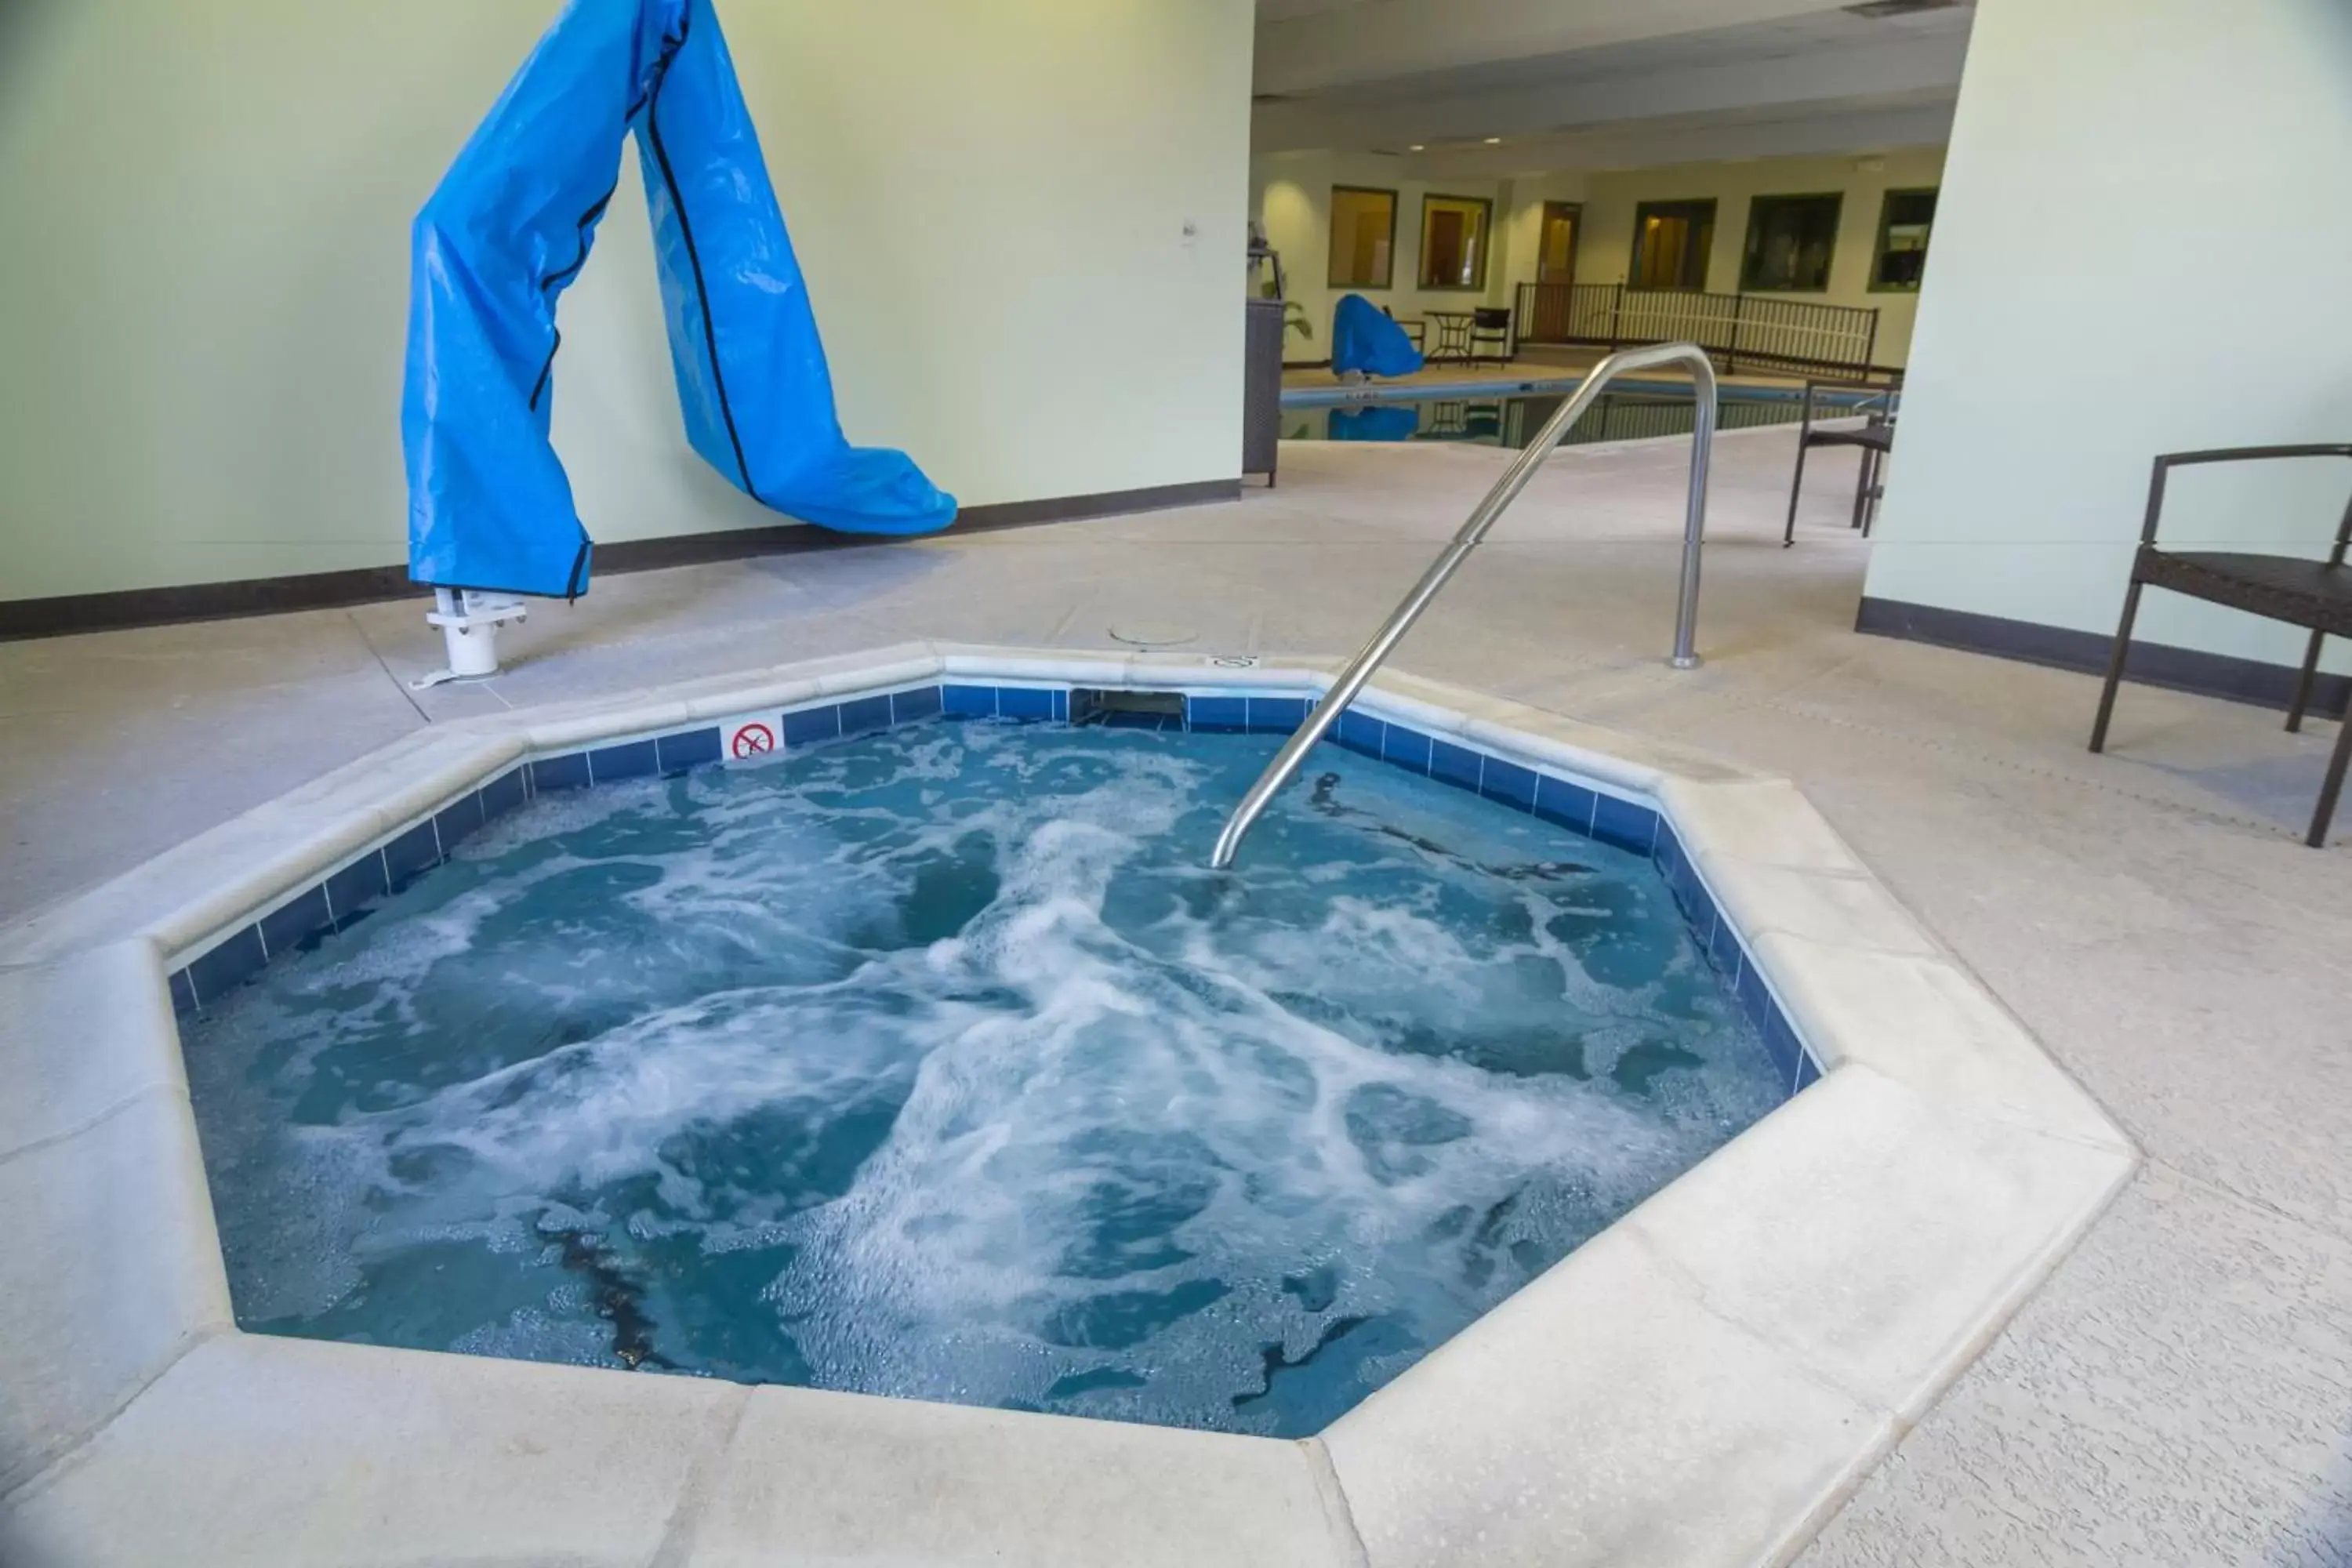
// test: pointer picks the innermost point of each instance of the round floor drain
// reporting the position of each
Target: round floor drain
(1153, 633)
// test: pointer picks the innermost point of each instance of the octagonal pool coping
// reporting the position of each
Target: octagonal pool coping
(1702, 1383)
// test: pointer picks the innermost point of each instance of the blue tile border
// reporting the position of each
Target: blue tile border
(1408, 749)
(1723, 950)
(1216, 715)
(1359, 732)
(352, 889)
(1205, 713)
(410, 856)
(512, 788)
(549, 775)
(230, 963)
(912, 707)
(457, 821)
(676, 753)
(347, 895)
(959, 702)
(1728, 955)
(864, 715)
(809, 725)
(1569, 806)
(629, 760)
(1508, 784)
(1628, 824)
(1276, 715)
(1450, 763)
(1030, 703)
(295, 924)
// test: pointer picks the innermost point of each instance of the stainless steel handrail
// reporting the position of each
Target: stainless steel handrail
(1506, 489)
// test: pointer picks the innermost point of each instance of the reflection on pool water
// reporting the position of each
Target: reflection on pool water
(935, 1064)
(1513, 421)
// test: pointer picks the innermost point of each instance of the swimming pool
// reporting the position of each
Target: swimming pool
(933, 1063)
(1498, 420)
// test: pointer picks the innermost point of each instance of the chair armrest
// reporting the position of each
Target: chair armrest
(1814, 385)
(2250, 454)
(2167, 461)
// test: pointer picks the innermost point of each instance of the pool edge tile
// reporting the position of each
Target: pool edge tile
(679, 752)
(228, 965)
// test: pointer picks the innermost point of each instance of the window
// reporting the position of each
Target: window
(1555, 243)
(1902, 254)
(1453, 241)
(1790, 242)
(1670, 240)
(1363, 238)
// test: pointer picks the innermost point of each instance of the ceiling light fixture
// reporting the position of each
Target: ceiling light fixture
(1494, 141)
(1417, 147)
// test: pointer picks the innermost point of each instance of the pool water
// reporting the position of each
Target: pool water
(935, 1064)
(1513, 421)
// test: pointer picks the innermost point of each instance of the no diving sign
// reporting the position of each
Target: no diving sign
(748, 737)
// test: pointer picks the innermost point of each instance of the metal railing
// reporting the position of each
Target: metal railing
(1325, 713)
(1759, 329)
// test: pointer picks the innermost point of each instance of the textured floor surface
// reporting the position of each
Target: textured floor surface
(2179, 1391)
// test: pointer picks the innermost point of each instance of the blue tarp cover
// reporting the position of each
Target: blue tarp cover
(511, 225)
(1364, 339)
(1385, 422)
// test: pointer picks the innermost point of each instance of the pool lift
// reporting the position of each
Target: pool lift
(491, 519)
(469, 622)
(1326, 711)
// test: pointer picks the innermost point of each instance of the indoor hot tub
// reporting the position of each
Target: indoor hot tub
(799, 1095)
(931, 1060)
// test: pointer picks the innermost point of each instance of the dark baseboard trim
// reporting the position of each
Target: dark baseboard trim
(2063, 647)
(1076, 509)
(71, 614)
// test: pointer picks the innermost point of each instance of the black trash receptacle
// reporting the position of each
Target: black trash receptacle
(1262, 389)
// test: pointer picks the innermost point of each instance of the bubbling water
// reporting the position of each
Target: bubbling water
(933, 1064)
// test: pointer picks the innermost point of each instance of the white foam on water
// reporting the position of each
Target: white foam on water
(1120, 1141)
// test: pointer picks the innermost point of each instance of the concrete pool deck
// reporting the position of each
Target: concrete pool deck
(2175, 1394)
(1700, 1385)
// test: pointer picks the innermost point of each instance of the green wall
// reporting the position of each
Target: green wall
(203, 289)
(2142, 247)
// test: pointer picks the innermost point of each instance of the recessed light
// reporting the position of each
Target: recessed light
(1416, 147)
(1494, 141)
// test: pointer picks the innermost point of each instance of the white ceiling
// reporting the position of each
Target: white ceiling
(1601, 83)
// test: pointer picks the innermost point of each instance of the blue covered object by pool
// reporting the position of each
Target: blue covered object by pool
(509, 228)
(1385, 422)
(1365, 338)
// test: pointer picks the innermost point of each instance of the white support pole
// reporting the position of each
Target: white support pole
(469, 623)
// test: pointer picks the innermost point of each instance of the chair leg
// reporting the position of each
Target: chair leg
(1873, 489)
(1796, 483)
(2302, 684)
(2115, 669)
(2331, 787)
(1861, 485)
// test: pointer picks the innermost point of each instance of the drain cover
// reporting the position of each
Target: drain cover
(1153, 633)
